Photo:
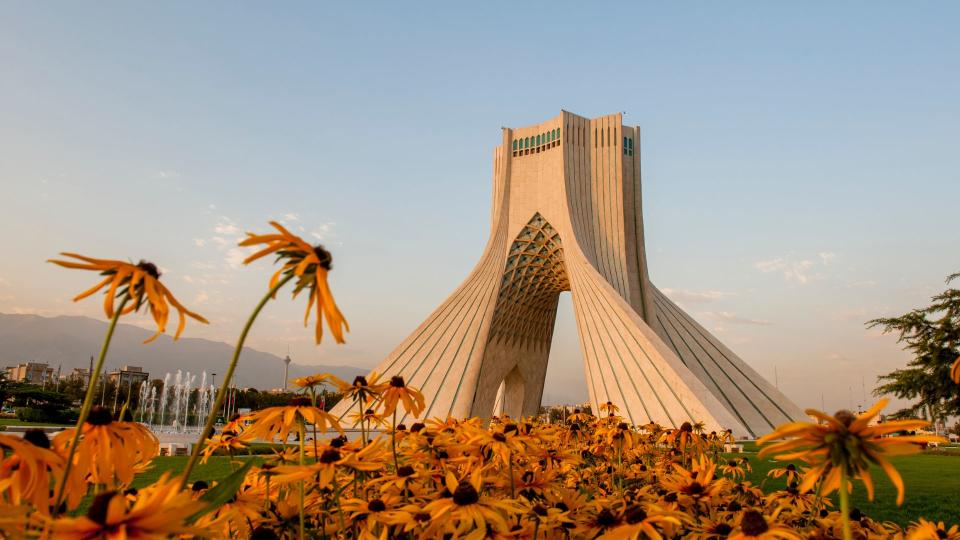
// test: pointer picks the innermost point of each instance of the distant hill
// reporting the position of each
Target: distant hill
(70, 340)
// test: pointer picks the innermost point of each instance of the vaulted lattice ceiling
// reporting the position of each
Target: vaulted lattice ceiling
(534, 277)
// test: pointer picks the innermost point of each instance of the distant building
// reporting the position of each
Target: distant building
(30, 372)
(78, 374)
(128, 375)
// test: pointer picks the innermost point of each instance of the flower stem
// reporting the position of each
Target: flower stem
(224, 386)
(845, 506)
(393, 442)
(88, 403)
(303, 433)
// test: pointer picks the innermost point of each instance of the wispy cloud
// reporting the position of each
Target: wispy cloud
(695, 297)
(733, 318)
(324, 231)
(292, 216)
(797, 270)
(235, 257)
(199, 242)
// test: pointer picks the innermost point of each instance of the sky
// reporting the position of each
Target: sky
(799, 160)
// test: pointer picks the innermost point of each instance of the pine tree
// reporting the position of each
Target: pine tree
(932, 336)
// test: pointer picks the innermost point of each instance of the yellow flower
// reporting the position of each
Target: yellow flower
(159, 511)
(228, 441)
(280, 421)
(310, 265)
(397, 391)
(109, 452)
(25, 474)
(928, 530)
(140, 282)
(467, 509)
(318, 379)
(753, 525)
(332, 459)
(955, 371)
(845, 444)
(638, 523)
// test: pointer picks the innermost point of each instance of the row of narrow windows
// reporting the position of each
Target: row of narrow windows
(544, 141)
(536, 143)
(537, 140)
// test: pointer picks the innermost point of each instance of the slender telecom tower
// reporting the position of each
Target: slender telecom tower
(567, 217)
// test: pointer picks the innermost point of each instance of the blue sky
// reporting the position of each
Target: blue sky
(800, 161)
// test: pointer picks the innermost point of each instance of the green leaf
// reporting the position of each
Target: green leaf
(219, 494)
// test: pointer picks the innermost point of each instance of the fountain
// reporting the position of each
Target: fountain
(168, 408)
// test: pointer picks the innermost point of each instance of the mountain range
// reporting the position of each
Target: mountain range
(69, 341)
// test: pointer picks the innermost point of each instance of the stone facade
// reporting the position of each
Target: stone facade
(567, 216)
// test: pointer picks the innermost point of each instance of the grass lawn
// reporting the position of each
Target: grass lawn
(932, 484)
(15, 422)
(216, 468)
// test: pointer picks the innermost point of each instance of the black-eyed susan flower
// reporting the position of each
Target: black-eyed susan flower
(108, 453)
(637, 523)
(310, 266)
(26, 472)
(755, 526)
(397, 391)
(930, 530)
(278, 422)
(955, 371)
(846, 444)
(159, 511)
(468, 509)
(138, 283)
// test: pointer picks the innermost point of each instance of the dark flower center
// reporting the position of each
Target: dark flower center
(696, 488)
(99, 416)
(465, 494)
(635, 514)
(397, 382)
(732, 463)
(499, 437)
(723, 529)
(539, 510)
(402, 427)
(98, 508)
(791, 467)
(606, 518)
(149, 268)
(845, 417)
(263, 533)
(326, 259)
(510, 428)
(417, 427)
(623, 426)
(686, 426)
(753, 523)
(360, 380)
(301, 402)
(37, 437)
(338, 442)
(941, 533)
(199, 485)
(376, 505)
(330, 455)
(405, 471)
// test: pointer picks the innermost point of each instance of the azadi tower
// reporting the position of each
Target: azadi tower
(567, 217)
